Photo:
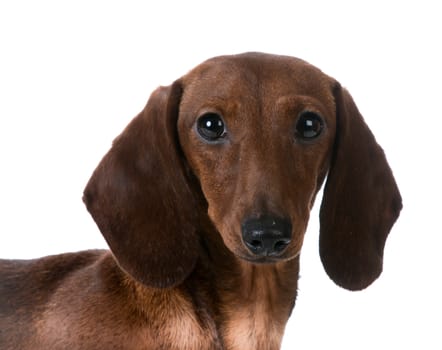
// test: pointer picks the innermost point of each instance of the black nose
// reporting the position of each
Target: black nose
(267, 235)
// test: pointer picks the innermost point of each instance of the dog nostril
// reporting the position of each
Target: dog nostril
(257, 244)
(281, 245)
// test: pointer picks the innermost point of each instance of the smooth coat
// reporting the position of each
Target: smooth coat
(170, 205)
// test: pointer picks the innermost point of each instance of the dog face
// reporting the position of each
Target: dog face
(259, 133)
(258, 136)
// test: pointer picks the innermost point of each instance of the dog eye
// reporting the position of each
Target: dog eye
(309, 125)
(210, 126)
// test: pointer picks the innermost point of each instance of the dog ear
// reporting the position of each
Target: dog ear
(140, 197)
(360, 203)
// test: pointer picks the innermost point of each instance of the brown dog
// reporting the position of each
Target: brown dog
(204, 200)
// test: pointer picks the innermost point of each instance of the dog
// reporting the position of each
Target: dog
(204, 200)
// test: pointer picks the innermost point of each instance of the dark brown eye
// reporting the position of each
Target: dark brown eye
(309, 126)
(211, 126)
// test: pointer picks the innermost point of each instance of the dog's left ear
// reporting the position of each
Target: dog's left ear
(140, 196)
(360, 204)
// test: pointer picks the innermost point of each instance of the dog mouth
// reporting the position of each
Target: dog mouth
(287, 251)
(266, 259)
(263, 260)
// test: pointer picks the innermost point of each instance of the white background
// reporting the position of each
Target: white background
(73, 74)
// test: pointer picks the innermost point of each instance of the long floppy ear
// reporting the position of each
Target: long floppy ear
(360, 204)
(141, 200)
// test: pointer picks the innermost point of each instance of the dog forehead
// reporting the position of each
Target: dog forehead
(256, 75)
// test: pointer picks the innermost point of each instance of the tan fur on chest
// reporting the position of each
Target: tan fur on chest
(182, 331)
(257, 316)
(250, 329)
(181, 327)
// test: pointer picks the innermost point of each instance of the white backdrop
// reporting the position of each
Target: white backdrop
(73, 74)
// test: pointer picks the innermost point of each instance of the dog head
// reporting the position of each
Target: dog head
(252, 137)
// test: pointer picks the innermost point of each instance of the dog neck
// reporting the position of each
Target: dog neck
(252, 302)
(255, 313)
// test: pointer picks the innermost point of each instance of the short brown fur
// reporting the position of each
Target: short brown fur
(171, 204)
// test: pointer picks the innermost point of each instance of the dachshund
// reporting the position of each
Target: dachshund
(204, 200)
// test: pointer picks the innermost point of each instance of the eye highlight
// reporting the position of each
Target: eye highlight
(211, 126)
(309, 125)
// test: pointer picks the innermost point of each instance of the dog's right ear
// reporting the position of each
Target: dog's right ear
(140, 197)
